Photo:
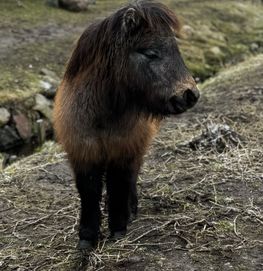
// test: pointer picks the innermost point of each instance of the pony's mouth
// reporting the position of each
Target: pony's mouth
(176, 105)
(179, 104)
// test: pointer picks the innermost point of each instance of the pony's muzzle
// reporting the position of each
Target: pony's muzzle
(179, 104)
(191, 97)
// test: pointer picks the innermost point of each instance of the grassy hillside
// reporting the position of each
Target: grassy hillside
(34, 35)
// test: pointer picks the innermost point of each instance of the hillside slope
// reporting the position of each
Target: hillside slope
(200, 193)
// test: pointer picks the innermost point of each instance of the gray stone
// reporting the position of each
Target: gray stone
(23, 125)
(49, 83)
(49, 87)
(53, 3)
(49, 74)
(49, 93)
(9, 138)
(44, 106)
(254, 47)
(74, 5)
(4, 116)
(54, 81)
(187, 31)
(45, 85)
(216, 51)
(29, 102)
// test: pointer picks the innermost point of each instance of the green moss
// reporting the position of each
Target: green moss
(236, 74)
(37, 12)
(18, 85)
(19, 70)
(20, 79)
(230, 25)
(201, 70)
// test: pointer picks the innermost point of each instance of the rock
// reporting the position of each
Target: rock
(41, 130)
(49, 83)
(4, 116)
(23, 125)
(8, 159)
(48, 90)
(214, 55)
(254, 47)
(53, 3)
(9, 138)
(216, 51)
(53, 81)
(57, 3)
(74, 5)
(49, 93)
(44, 106)
(49, 74)
(45, 85)
(187, 31)
(29, 102)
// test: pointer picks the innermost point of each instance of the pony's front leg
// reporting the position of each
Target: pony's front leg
(122, 195)
(89, 185)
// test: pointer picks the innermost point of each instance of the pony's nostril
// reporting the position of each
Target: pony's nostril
(176, 105)
(191, 96)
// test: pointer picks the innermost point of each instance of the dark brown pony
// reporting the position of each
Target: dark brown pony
(124, 76)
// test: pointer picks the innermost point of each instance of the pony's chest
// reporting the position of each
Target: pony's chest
(132, 143)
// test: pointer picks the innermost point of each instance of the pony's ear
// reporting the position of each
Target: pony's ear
(131, 20)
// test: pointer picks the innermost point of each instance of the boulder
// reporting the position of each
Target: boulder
(254, 47)
(74, 5)
(23, 125)
(45, 85)
(52, 3)
(4, 116)
(9, 138)
(49, 74)
(48, 90)
(187, 31)
(44, 106)
(49, 83)
(214, 55)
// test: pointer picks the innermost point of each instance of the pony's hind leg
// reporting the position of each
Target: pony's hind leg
(133, 198)
(122, 196)
(89, 185)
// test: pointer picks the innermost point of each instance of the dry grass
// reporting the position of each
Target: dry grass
(199, 209)
(189, 201)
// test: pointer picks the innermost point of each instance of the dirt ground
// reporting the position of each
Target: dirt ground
(200, 188)
(200, 207)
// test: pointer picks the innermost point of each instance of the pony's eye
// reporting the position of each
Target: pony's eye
(151, 54)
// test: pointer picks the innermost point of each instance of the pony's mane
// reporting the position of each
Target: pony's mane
(102, 37)
(157, 15)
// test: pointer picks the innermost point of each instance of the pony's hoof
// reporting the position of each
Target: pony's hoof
(85, 246)
(118, 235)
(132, 217)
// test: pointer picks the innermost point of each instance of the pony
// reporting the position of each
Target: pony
(124, 76)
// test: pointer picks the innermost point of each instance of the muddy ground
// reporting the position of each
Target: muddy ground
(200, 193)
